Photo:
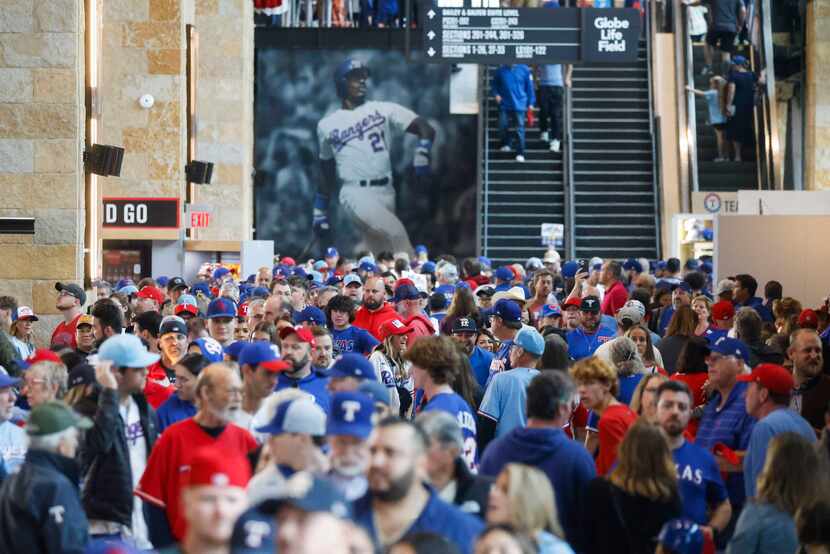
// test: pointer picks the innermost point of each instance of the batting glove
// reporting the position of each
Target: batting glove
(422, 158)
(320, 216)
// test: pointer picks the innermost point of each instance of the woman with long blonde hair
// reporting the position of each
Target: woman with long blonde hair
(625, 511)
(523, 497)
(392, 369)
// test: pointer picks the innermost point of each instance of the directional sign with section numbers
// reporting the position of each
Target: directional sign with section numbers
(479, 31)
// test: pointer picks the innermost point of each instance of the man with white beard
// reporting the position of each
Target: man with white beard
(348, 429)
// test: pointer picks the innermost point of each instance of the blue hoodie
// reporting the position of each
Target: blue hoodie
(566, 463)
(514, 83)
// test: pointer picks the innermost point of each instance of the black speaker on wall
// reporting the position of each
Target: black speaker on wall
(199, 172)
(104, 160)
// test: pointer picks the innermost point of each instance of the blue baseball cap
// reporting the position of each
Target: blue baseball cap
(301, 415)
(202, 287)
(352, 279)
(335, 280)
(350, 414)
(210, 348)
(530, 340)
(661, 264)
(331, 252)
(162, 281)
(235, 348)
(406, 291)
(504, 274)
(485, 262)
(264, 354)
(6, 381)
(428, 267)
(508, 310)
(375, 390)
(126, 351)
(684, 286)
(369, 266)
(300, 272)
(550, 310)
(220, 272)
(682, 536)
(352, 365)
(128, 290)
(419, 249)
(259, 292)
(570, 269)
(707, 268)
(188, 299)
(123, 283)
(311, 314)
(221, 307)
(632, 264)
(464, 325)
(692, 264)
(727, 346)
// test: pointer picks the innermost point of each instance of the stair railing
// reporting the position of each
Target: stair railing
(567, 176)
(650, 30)
(691, 108)
(483, 201)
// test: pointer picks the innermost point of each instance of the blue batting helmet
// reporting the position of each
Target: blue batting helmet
(681, 536)
(343, 70)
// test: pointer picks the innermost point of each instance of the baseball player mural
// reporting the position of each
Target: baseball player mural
(358, 149)
(354, 151)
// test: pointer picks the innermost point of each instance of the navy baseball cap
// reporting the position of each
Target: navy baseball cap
(259, 292)
(331, 252)
(590, 304)
(406, 291)
(264, 354)
(350, 414)
(311, 314)
(334, 280)
(692, 264)
(504, 274)
(569, 269)
(234, 349)
(176, 283)
(352, 365)
(508, 310)
(727, 346)
(301, 415)
(632, 264)
(464, 325)
(172, 324)
(221, 307)
(684, 286)
(530, 340)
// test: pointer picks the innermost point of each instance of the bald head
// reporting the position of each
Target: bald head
(374, 293)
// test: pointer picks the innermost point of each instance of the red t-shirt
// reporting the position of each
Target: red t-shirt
(158, 387)
(169, 464)
(695, 383)
(613, 424)
(64, 334)
(614, 299)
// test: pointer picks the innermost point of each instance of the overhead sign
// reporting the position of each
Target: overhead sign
(479, 31)
(141, 213)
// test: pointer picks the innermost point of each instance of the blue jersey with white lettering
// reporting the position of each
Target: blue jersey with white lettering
(456, 406)
(583, 345)
(701, 485)
(353, 339)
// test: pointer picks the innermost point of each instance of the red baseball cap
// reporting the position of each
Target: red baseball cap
(772, 377)
(42, 355)
(242, 311)
(152, 292)
(189, 308)
(303, 333)
(288, 261)
(572, 302)
(723, 310)
(216, 467)
(808, 319)
(393, 327)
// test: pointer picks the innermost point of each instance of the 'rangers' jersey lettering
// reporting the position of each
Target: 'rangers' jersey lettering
(358, 139)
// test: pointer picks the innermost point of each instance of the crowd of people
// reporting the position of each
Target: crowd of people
(402, 404)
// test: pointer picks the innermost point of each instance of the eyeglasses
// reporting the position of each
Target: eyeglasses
(31, 382)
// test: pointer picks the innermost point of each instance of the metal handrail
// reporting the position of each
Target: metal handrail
(773, 148)
(691, 106)
(651, 33)
(567, 177)
(680, 75)
(484, 171)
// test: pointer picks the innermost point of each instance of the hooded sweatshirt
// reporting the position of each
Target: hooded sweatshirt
(421, 327)
(372, 320)
(566, 463)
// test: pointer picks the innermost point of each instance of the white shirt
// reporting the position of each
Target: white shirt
(13, 446)
(358, 140)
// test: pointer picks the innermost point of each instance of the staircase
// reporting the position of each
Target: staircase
(615, 207)
(717, 176)
(517, 197)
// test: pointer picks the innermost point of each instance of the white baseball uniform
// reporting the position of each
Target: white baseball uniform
(358, 141)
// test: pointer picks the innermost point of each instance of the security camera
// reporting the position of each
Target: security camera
(146, 101)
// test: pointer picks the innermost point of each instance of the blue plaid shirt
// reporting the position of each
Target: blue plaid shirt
(730, 426)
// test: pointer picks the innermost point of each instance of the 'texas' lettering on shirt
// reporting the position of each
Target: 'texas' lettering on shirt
(339, 138)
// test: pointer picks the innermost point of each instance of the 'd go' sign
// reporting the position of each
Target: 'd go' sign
(143, 213)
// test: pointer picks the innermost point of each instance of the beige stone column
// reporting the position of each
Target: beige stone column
(817, 116)
(41, 140)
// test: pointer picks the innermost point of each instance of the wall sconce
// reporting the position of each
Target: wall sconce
(104, 160)
(199, 172)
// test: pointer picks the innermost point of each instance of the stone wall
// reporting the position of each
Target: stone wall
(41, 140)
(817, 120)
(225, 114)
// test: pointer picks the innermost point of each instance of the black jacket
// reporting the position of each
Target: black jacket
(108, 488)
(472, 491)
(40, 508)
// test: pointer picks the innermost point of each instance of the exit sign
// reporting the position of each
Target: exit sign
(199, 220)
